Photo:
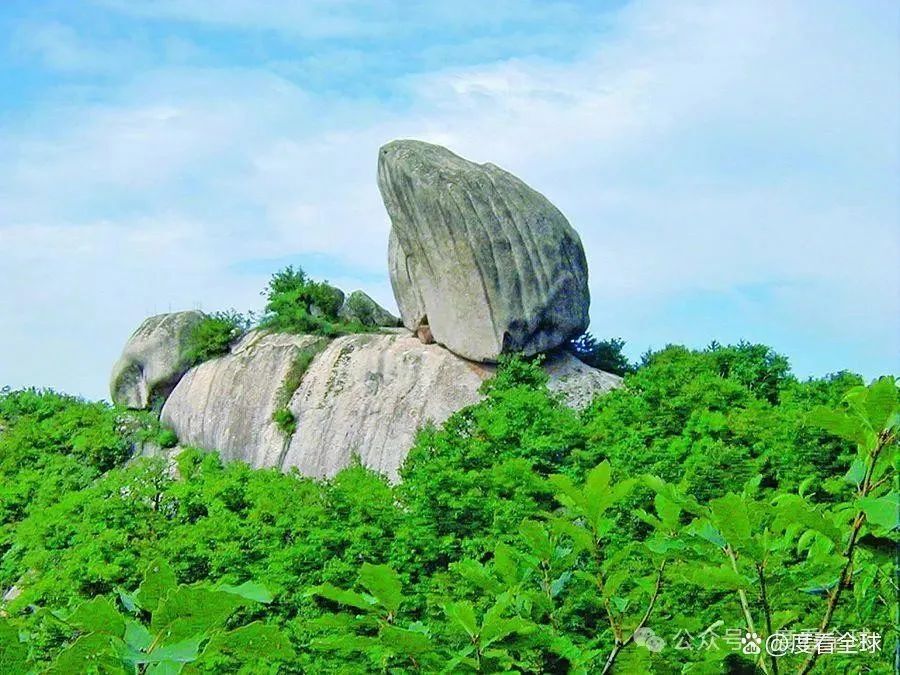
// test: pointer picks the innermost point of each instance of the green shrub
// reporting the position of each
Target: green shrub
(214, 335)
(524, 536)
(284, 419)
(167, 438)
(602, 354)
(297, 304)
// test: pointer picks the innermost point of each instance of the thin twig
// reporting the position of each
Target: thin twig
(621, 644)
(767, 610)
(745, 605)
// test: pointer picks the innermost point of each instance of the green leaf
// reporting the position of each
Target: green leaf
(567, 493)
(183, 651)
(837, 422)
(668, 510)
(795, 509)
(713, 578)
(463, 615)
(856, 472)
(254, 642)
(662, 545)
(188, 612)
(505, 564)
(881, 402)
(782, 618)
(705, 530)
(250, 590)
(136, 635)
(558, 584)
(475, 573)
(582, 538)
(596, 491)
(614, 581)
(537, 539)
(344, 597)
(129, 601)
(731, 518)
(13, 652)
(408, 642)
(345, 644)
(686, 502)
(98, 615)
(165, 668)
(159, 581)
(498, 628)
(384, 584)
(94, 652)
(882, 511)
(652, 521)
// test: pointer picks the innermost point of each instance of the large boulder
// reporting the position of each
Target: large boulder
(153, 360)
(364, 394)
(488, 263)
(360, 307)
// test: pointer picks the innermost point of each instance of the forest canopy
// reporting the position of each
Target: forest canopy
(714, 495)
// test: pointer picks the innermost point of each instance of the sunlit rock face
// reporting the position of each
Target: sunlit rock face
(364, 395)
(486, 261)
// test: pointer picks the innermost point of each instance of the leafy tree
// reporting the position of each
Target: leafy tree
(713, 490)
(297, 304)
(603, 354)
(164, 628)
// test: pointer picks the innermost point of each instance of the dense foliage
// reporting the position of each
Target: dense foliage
(297, 304)
(214, 335)
(603, 354)
(714, 492)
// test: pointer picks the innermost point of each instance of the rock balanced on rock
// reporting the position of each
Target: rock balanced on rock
(480, 264)
(486, 262)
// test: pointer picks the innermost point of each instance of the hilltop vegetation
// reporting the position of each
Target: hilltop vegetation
(714, 490)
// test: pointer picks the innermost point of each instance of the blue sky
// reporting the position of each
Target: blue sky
(731, 166)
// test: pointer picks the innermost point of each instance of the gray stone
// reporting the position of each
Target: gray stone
(11, 593)
(487, 262)
(226, 404)
(153, 360)
(362, 394)
(360, 307)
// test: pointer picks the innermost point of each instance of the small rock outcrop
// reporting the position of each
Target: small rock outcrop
(364, 394)
(360, 307)
(488, 263)
(153, 360)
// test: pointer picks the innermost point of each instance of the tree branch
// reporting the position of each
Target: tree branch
(884, 439)
(745, 605)
(621, 644)
(767, 610)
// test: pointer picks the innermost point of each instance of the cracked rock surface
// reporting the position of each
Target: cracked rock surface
(364, 394)
(486, 261)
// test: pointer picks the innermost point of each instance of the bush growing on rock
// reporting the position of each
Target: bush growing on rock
(601, 354)
(297, 304)
(214, 335)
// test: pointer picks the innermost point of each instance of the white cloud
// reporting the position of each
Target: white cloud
(700, 148)
(59, 47)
